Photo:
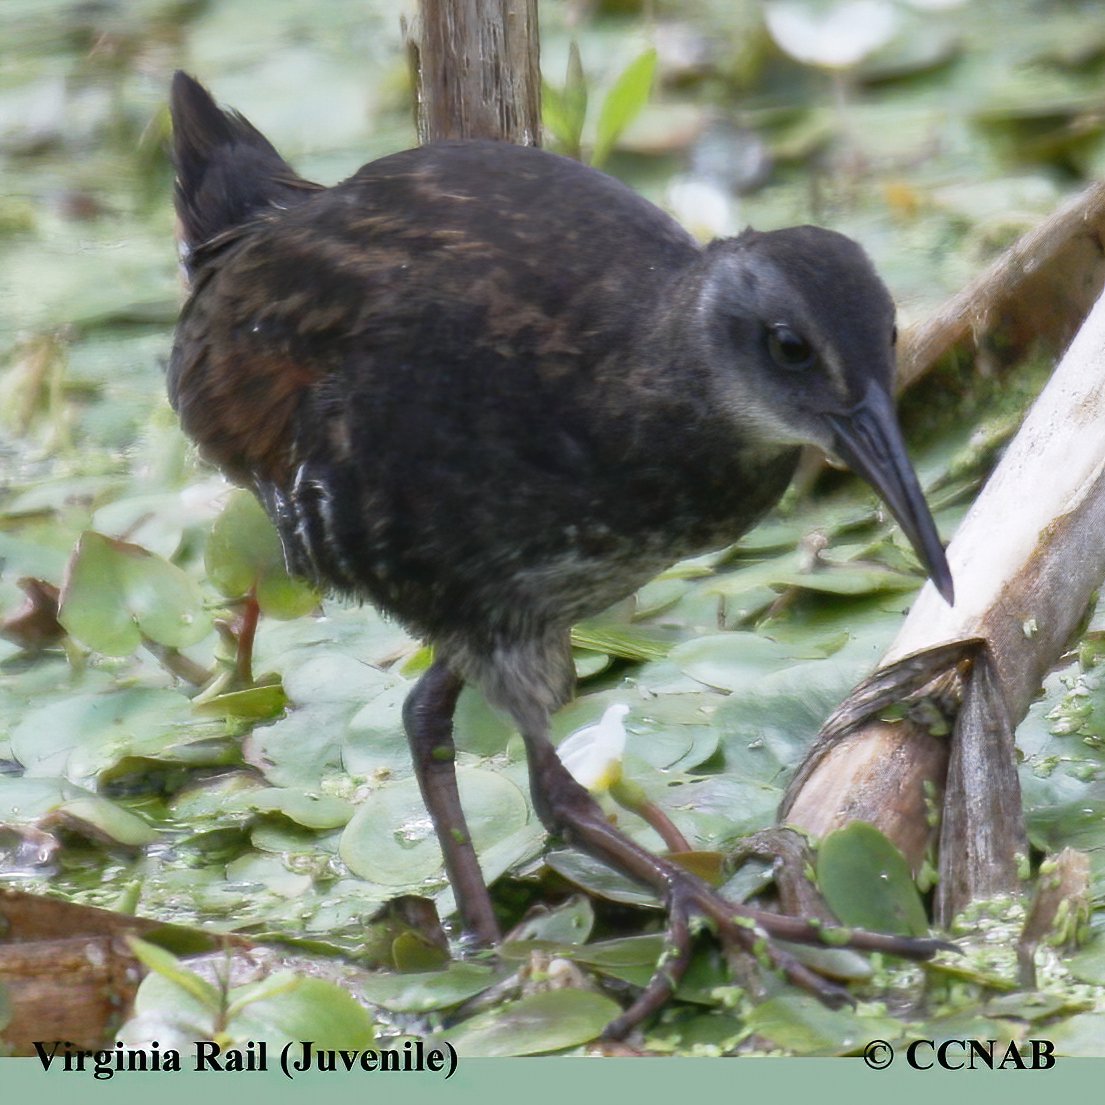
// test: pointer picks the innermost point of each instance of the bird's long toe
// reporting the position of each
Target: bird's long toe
(746, 932)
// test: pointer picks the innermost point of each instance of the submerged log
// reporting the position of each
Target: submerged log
(68, 972)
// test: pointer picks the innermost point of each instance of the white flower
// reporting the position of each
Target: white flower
(205, 501)
(706, 209)
(835, 37)
(594, 753)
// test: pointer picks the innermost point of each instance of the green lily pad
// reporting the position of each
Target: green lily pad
(568, 923)
(802, 1025)
(849, 579)
(718, 807)
(313, 811)
(765, 730)
(292, 1007)
(102, 818)
(264, 700)
(215, 799)
(667, 746)
(499, 856)
(152, 521)
(656, 597)
(731, 661)
(244, 554)
(390, 839)
(84, 735)
(115, 593)
(412, 951)
(840, 963)
(596, 878)
(26, 801)
(1033, 1005)
(634, 960)
(269, 872)
(627, 951)
(430, 990)
(670, 733)
(301, 748)
(707, 975)
(477, 727)
(1088, 963)
(535, 1025)
(1082, 1035)
(589, 664)
(748, 576)
(705, 1034)
(867, 883)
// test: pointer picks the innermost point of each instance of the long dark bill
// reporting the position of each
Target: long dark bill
(869, 441)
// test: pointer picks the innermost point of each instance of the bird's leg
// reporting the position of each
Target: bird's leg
(428, 719)
(565, 807)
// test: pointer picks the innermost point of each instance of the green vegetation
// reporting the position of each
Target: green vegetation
(142, 767)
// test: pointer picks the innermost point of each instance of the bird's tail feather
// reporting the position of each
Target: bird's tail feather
(227, 170)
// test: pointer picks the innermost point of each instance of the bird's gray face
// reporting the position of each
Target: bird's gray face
(800, 332)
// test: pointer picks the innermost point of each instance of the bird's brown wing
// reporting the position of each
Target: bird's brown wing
(451, 264)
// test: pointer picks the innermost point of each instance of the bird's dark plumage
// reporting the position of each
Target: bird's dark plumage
(227, 170)
(493, 391)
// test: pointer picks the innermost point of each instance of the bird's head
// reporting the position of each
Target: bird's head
(799, 334)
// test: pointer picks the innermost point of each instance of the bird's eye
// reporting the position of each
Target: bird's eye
(787, 349)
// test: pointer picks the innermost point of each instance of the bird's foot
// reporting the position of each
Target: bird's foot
(692, 904)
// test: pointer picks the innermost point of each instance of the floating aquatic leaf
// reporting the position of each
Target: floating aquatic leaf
(731, 661)
(115, 593)
(598, 879)
(390, 839)
(82, 736)
(429, 990)
(313, 811)
(244, 554)
(802, 1025)
(264, 700)
(568, 923)
(867, 883)
(98, 817)
(1082, 1035)
(534, 1025)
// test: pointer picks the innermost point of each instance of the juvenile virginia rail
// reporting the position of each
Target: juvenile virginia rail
(493, 391)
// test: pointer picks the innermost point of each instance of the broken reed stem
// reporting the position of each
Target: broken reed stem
(1029, 553)
(1059, 263)
(1026, 561)
(478, 75)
